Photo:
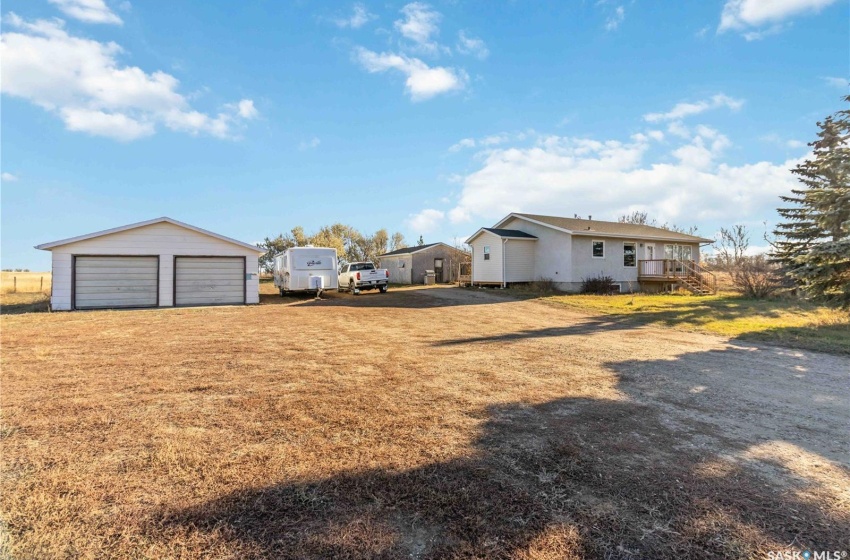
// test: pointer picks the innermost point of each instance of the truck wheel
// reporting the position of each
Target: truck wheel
(383, 289)
(351, 287)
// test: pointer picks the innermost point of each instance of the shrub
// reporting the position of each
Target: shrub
(600, 285)
(543, 285)
(753, 276)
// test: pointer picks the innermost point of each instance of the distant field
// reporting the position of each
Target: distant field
(25, 282)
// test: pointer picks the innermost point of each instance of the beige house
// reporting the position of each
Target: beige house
(530, 247)
(156, 263)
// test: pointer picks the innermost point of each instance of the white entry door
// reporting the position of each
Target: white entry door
(650, 252)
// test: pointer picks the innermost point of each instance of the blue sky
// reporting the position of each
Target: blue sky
(248, 118)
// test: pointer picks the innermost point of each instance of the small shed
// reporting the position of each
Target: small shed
(408, 265)
(156, 263)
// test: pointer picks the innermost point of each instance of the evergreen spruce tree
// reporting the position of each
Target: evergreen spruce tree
(813, 242)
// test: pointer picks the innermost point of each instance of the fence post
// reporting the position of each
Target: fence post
(41, 284)
(14, 284)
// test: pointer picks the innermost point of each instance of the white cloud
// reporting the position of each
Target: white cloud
(419, 24)
(112, 125)
(359, 17)
(426, 221)
(423, 81)
(703, 148)
(492, 140)
(246, 109)
(472, 46)
(777, 140)
(89, 11)
(464, 143)
(758, 18)
(682, 110)
(564, 175)
(842, 83)
(615, 19)
(82, 81)
(8, 177)
(310, 144)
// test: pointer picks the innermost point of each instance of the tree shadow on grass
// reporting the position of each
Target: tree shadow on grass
(831, 338)
(569, 478)
(409, 297)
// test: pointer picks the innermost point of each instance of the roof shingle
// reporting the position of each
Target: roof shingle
(580, 226)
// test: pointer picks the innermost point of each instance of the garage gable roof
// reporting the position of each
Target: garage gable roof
(54, 244)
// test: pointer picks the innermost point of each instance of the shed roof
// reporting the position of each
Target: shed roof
(415, 249)
(54, 244)
(580, 226)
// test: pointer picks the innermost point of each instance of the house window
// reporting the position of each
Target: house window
(486, 252)
(598, 249)
(629, 254)
(400, 264)
(678, 252)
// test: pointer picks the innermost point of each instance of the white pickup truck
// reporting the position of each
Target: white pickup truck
(363, 276)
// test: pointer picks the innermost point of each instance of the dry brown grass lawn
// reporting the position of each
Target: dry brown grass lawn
(424, 423)
(25, 282)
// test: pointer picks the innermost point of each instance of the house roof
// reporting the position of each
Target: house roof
(54, 244)
(504, 233)
(580, 226)
(415, 249)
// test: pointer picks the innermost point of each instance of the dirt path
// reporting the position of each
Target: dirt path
(747, 393)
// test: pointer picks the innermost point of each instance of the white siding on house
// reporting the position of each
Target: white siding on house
(585, 266)
(487, 270)
(551, 250)
(162, 238)
(519, 260)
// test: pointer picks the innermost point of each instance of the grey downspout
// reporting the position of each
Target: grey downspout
(504, 261)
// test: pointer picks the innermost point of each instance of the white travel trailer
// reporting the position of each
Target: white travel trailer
(305, 269)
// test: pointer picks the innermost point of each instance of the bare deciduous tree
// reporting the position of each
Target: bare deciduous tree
(753, 275)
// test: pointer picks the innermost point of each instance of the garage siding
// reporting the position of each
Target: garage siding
(107, 282)
(209, 280)
(162, 238)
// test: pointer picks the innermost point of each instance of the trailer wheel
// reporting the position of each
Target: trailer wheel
(383, 289)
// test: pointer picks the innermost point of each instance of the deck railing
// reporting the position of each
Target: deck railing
(686, 271)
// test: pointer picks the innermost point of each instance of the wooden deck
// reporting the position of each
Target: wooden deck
(685, 273)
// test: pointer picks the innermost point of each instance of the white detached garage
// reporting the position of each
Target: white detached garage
(157, 263)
